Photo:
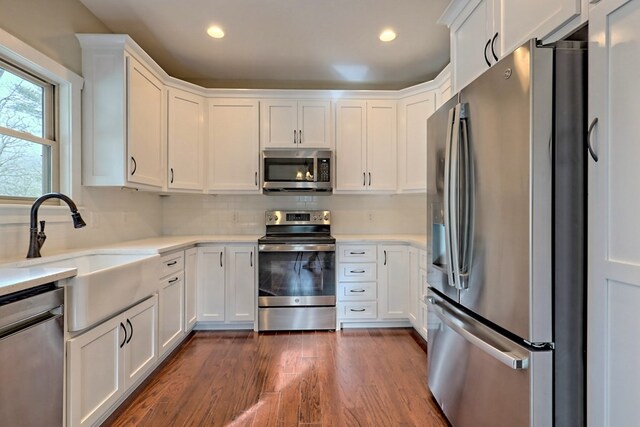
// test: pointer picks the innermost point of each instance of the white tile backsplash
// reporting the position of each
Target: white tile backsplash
(244, 214)
(112, 215)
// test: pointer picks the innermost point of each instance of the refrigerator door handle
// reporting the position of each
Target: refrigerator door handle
(447, 198)
(454, 197)
(467, 200)
(466, 327)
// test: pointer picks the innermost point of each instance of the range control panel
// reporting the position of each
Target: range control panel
(297, 217)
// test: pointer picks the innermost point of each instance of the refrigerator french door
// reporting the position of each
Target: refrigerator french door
(507, 257)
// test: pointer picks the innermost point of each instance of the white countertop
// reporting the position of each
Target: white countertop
(19, 279)
(417, 240)
(25, 273)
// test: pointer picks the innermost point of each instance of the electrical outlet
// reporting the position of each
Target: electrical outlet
(370, 216)
(235, 216)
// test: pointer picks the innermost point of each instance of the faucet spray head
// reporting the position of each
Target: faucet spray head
(78, 222)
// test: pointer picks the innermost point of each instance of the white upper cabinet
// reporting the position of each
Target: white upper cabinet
(186, 138)
(295, 124)
(412, 162)
(124, 116)
(366, 146)
(233, 146)
(614, 201)
(145, 125)
(483, 31)
(520, 20)
(351, 145)
(471, 36)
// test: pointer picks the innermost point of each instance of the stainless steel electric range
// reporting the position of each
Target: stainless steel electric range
(296, 264)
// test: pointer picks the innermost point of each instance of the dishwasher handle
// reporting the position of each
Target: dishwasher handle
(30, 322)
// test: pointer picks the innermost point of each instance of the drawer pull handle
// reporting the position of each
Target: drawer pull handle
(175, 279)
(169, 264)
(358, 309)
(357, 253)
(357, 290)
(357, 271)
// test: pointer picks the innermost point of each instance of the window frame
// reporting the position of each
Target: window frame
(68, 109)
(51, 169)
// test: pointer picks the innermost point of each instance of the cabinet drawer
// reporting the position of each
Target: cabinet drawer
(423, 283)
(172, 263)
(422, 260)
(356, 291)
(357, 253)
(359, 310)
(357, 272)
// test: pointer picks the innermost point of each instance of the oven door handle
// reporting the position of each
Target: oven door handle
(294, 247)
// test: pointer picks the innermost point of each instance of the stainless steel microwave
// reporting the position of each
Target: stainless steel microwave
(297, 171)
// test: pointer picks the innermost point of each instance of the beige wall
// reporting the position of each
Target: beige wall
(50, 27)
(112, 214)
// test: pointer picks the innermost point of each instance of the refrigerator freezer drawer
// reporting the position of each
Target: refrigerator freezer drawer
(479, 377)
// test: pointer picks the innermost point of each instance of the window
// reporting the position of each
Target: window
(28, 147)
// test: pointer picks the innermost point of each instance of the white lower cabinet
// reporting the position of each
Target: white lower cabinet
(105, 361)
(415, 289)
(171, 301)
(227, 284)
(190, 288)
(373, 283)
(171, 320)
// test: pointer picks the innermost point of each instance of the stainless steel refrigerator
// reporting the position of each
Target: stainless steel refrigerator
(506, 299)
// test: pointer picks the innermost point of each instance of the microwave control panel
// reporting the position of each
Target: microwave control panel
(324, 170)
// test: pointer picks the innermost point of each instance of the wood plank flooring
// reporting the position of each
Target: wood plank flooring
(354, 377)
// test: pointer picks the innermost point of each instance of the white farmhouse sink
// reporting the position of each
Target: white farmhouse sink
(106, 284)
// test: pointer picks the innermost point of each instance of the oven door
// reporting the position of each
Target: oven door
(296, 275)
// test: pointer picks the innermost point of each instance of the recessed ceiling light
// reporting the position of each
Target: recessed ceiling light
(387, 35)
(215, 32)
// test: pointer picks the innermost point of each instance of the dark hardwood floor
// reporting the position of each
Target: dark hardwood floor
(356, 377)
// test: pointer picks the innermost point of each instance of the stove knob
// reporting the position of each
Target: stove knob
(275, 217)
(270, 218)
(326, 217)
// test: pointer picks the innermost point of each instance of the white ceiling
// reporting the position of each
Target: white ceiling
(303, 44)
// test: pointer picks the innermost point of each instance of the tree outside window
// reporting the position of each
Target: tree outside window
(26, 135)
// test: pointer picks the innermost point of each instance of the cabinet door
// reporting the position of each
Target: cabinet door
(190, 288)
(186, 141)
(393, 282)
(351, 145)
(233, 146)
(413, 141)
(520, 20)
(211, 291)
(469, 36)
(241, 285)
(146, 125)
(415, 288)
(314, 124)
(614, 202)
(171, 313)
(95, 379)
(140, 350)
(382, 149)
(279, 122)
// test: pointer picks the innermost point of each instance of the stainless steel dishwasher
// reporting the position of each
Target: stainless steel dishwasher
(32, 357)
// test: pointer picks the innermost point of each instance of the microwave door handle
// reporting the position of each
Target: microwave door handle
(315, 167)
(447, 196)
